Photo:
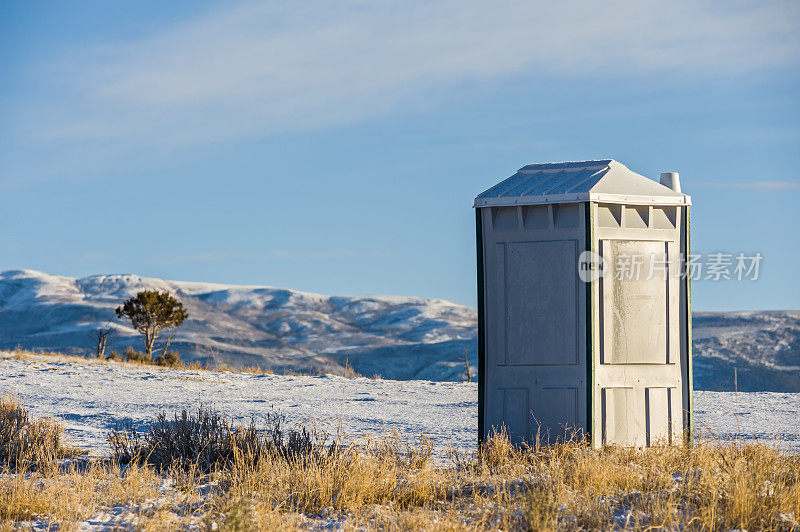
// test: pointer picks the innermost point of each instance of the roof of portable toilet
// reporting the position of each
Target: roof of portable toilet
(604, 180)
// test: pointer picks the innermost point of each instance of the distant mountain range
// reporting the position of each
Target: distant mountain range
(395, 337)
(763, 347)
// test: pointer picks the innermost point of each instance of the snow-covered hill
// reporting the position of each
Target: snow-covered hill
(763, 347)
(396, 337)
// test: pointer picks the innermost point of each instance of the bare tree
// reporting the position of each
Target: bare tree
(466, 363)
(101, 337)
(172, 330)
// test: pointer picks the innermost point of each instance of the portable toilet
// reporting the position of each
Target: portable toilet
(571, 338)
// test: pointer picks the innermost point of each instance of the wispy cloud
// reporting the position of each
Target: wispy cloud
(256, 68)
(756, 185)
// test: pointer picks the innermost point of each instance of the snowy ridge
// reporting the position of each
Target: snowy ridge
(764, 347)
(250, 325)
(395, 337)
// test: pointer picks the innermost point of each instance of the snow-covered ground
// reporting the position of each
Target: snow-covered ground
(405, 338)
(90, 397)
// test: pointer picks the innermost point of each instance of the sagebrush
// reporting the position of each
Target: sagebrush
(257, 477)
(208, 440)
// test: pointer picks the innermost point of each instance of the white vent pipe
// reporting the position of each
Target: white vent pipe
(671, 180)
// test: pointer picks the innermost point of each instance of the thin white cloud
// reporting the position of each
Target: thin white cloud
(261, 68)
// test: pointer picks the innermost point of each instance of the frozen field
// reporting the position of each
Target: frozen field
(89, 397)
(397, 337)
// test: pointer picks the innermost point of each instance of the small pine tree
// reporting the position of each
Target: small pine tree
(150, 312)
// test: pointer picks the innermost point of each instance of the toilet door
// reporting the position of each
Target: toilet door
(638, 377)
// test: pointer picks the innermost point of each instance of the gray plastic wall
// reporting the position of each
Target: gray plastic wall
(609, 358)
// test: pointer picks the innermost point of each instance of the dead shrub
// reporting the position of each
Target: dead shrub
(207, 440)
(170, 359)
(132, 355)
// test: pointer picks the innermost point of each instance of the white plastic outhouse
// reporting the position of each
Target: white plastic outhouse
(583, 308)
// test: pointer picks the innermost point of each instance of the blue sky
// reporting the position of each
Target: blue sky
(337, 148)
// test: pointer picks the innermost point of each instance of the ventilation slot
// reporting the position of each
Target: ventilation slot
(609, 215)
(536, 217)
(636, 217)
(504, 219)
(664, 217)
(565, 215)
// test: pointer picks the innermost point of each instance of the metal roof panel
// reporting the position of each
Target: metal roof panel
(576, 181)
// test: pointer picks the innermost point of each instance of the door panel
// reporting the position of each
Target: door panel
(514, 415)
(618, 416)
(555, 413)
(634, 304)
(659, 415)
(540, 303)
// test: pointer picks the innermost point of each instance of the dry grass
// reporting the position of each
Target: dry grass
(138, 359)
(73, 492)
(31, 356)
(386, 483)
(569, 486)
(349, 372)
(29, 444)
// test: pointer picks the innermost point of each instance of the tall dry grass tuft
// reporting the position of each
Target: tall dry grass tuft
(31, 444)
(74, 492)
(35, 484)
(711, 486)
(343, 478)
